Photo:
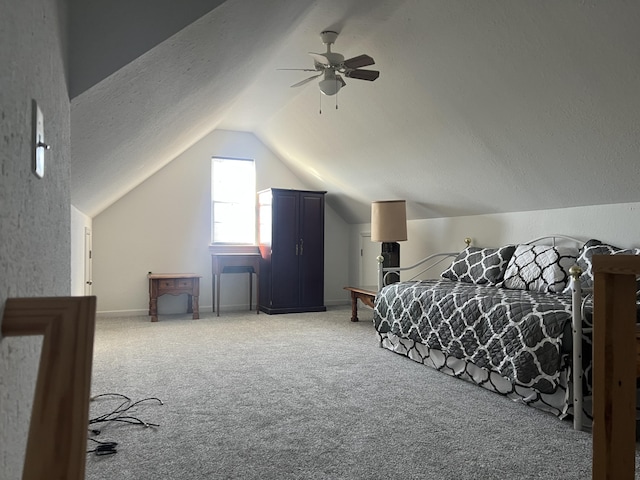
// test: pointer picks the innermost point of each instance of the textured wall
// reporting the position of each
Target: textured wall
(126, 30)
(34, 213)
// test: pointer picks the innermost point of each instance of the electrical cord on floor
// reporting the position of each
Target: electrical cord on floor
(103, 448)
(118, 414)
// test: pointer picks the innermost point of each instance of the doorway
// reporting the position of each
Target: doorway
(369, 252)
(88, 259)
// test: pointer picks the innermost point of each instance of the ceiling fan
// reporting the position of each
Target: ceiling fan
(330, 65)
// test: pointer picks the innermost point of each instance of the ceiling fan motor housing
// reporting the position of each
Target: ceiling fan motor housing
(335, 59)
(328, 37)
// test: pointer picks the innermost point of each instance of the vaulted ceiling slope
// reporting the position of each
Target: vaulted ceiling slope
(481, 107)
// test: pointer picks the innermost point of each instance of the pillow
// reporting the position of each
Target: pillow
(540, 268)
(480, 265)
(596, 247)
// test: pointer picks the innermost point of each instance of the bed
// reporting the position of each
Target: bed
(513, 319)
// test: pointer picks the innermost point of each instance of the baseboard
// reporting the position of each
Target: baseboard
(204, 309)
(122, 313)
(337, 303)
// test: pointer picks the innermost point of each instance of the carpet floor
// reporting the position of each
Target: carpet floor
(305, 396)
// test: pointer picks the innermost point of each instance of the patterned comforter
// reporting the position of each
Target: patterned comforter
(516, 333)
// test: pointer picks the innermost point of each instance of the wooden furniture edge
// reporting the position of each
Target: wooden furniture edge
(234, 259)
(57, 441)
(157, 290)
(614, 357)
(160, 276)
(366, 295)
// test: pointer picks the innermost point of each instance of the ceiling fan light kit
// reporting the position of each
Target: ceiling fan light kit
(330, 65)
(331, 83)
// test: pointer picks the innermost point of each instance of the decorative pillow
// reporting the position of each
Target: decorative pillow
(596, 247)
(480, 265)
(541, 268)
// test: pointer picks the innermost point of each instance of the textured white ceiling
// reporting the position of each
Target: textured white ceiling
(481, 107)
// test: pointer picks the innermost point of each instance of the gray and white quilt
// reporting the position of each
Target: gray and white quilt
(517, 333)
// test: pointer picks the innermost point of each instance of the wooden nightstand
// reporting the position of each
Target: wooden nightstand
(174, 284)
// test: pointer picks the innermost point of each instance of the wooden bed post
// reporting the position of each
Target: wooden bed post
(614, 366)
(57, 443)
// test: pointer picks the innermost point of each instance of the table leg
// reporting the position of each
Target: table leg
(354, 307)
(218, 295)
(250, 290)
(153, 309)
(257, 292)
(213, 285)
(189, 303)
(196, 308)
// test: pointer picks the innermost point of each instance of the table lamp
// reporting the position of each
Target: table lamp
(389, 226)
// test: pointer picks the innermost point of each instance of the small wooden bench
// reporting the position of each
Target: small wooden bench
(366, 294)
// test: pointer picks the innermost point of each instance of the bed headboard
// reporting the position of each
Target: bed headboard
(555, 239)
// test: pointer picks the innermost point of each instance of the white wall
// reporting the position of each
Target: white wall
(164, 225)
(79, 221)
(618, 224)
(34, 213)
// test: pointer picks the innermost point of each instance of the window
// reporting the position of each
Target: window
(233, 200)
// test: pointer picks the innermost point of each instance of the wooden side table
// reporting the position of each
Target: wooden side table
(366, 294)
(174, 284)
(247, 262)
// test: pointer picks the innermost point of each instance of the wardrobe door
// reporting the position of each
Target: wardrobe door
(311, 258)
(285, 288)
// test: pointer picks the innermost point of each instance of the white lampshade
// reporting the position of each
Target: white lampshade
(330, 83)
(388, 221)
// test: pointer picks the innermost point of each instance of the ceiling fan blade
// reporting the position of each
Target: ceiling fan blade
(306, 80)
(320, 58)
(370, 75)
(359, 61)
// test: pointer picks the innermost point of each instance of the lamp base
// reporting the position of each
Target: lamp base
(391, 255)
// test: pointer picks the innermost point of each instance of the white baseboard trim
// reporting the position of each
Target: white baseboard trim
(137, 312)
(122, 313)
(337, 303)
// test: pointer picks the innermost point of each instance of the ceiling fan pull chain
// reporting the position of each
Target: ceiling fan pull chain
(320, 103)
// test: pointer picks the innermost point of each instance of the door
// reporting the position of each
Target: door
(285, 289)
(369, 252)
(88, 262)
(311, 249)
